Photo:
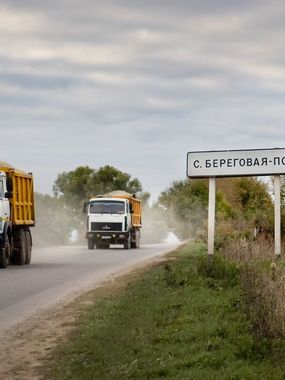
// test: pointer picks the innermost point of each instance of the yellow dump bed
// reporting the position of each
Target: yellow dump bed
(135, 202)
(22, 200)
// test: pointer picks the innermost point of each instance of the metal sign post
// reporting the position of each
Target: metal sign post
(211, 217)
(277, 217)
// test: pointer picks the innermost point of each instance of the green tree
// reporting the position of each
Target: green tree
(74, 186)
(249, 198)
(250, 207)
(241, 203)
(108, 178)
(79, 185)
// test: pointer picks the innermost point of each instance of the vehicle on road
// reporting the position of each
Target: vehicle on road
(17, 215)
(114, 218)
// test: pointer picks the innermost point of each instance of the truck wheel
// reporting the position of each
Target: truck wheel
(134, 243)
(20, 256)
(28, 247)
(91, 243)
(138, 238)
(5, 254)
(127, 243)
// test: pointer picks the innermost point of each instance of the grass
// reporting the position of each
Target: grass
(179, 320)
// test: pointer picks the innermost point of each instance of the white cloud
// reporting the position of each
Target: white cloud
(19, 22)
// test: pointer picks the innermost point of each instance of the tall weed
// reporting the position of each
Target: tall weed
(247, 250)
(264, 297)
(263, 284)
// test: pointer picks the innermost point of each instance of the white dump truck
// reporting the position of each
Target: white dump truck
(114, 218)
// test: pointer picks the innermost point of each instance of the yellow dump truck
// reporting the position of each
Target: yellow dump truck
(114, 218)
(17, 215)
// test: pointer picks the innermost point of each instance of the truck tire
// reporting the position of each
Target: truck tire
(133, 244)
(28, 247)
(20, 256)
(91, 243)
(5, 253)
(138, 239)
(136, 242)
(127, 243)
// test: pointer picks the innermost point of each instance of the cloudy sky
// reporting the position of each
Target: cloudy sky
(138, 84)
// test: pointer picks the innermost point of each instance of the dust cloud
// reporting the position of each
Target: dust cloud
(163, 225)
(57, 224)
(171, 238)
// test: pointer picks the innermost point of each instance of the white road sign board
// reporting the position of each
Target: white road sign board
(229, 163)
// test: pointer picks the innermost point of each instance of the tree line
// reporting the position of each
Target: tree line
(244, 206)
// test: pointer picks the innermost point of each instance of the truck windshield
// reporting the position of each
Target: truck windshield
(107, 207)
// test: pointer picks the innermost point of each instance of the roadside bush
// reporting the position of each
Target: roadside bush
(240, 248)
(220, 273)
(264, 299)
(262, 284)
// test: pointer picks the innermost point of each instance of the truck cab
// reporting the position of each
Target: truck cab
(4, 202)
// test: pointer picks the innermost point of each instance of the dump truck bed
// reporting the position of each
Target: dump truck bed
(137, 214)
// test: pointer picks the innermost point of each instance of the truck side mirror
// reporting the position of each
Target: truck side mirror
(8, 194)
(9, 183)
(85, 205)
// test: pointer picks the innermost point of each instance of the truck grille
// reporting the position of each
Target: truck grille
(107, 227)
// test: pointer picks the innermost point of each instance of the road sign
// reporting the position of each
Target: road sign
(230, 163)
(238, 163)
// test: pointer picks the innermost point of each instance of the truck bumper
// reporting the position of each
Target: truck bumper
(108, 237)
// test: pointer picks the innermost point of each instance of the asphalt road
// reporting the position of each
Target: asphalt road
(55, 274)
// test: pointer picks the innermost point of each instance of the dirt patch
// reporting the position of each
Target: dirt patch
(25, 350)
